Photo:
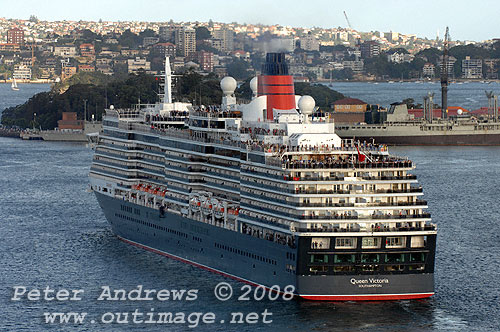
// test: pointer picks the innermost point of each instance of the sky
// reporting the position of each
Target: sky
(468, 20)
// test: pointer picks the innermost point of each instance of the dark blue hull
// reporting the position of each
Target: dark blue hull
(247, 258)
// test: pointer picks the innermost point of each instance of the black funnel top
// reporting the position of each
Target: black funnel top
(275, 64)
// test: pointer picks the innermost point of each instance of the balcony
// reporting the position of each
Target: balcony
(347, 192)
(359, 229)
(371, 217)
(307, 164)
(376, 204)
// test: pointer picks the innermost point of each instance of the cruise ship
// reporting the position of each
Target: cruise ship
(266, 193)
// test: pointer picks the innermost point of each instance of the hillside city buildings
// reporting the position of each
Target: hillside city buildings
(32, 49)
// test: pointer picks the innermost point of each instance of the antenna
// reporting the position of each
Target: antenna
(347, 19)
(444, 76)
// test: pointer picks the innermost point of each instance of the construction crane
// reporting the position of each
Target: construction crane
(347, 19)
(444, 76)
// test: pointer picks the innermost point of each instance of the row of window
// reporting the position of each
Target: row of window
(369, 268)
(162, 228)
(126, 208)
(368, 242)
(246, 254)
(414, 257)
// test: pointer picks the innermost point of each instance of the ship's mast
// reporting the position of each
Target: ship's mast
(168, 82)
(444, 76)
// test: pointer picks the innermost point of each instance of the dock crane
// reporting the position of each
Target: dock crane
(444, 76)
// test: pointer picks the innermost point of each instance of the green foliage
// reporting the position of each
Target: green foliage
(93, 78)
(460, 52)
(343, 74)
(202, 33)
(129, 39)
(495, 50)
(380, 67)
(323, 95)
(397, 50)
(49, 105)
(192, 87)
(431, 54)
(204, 46)
(239, 69)
(147, 33)
(88, 36)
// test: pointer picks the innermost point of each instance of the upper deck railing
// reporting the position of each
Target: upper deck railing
(275, 154)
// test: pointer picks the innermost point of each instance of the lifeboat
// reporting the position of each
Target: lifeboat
(234, 212)
(206, 207)
(195, 204)
(219, 211)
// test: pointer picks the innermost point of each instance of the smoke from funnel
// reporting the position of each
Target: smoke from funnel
(278, 45)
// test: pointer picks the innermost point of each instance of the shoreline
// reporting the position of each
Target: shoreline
(28, 81)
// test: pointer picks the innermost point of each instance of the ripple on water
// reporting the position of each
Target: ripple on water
(54, 233)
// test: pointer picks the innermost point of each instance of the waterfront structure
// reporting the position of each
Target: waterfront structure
(450, 63)
(266, 194)
(349, 110)
(69, 121)
(472, 68)
(67, 71)
(429, 70)
(22, 72)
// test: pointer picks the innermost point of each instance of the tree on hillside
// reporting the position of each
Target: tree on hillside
(202, 33)
(430, 54)
(89, 36)
(129, 39)
(397, 50)
(475, 52)
(323, 95)
(239, 69)
(147, 33)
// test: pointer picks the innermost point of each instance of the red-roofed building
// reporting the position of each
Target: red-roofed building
(206, 60)
(87, 68)
(349, 110)
(164, 49)
(349, 105)
(87, 50)
(9, 47)
(15, 36)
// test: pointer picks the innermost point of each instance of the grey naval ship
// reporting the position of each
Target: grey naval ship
(265, 193)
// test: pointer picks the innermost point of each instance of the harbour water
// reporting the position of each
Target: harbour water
(470, 95)
(9, 98)
(54, 234)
